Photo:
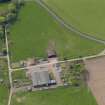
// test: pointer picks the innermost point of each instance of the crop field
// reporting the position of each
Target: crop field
(59, 96)
(4, 91)
(35, 29)
(85, 15)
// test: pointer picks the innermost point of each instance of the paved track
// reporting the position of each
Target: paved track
(9, 68)
(46, 64)
(70, 27)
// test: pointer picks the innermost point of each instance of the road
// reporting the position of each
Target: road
(8, 59)
(70, 27)
(70, 60)
(9, 67)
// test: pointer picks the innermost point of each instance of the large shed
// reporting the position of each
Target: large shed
(40, 78)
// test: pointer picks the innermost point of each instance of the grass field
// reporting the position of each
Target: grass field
(4, 92)
(59, 96)
(3, 95)
(33, 31)
(3, 6)
(85, 15)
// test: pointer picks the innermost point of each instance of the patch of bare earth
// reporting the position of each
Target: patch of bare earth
(96, 81)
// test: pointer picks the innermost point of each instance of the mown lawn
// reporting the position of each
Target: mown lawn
(59, 96)
(35, 29)
(4, 91)
(85, 15)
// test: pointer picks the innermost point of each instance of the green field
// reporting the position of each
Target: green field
(85, 15)
(4, 91)
(59, 96)
(34, 29)
(3, 95)
(3, 6)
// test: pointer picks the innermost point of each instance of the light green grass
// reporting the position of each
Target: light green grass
(85, 15)
(4, 94)
(3, 6)
(35, 29)
(59, 96)
(4, 91)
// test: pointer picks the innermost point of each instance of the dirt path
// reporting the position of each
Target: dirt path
(96, 69)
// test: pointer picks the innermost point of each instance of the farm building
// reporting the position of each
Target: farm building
(51, 54)
(30, 62)
(40, 78)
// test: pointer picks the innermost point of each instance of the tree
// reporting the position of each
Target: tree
(12, 7)
(4, 0)
(11, 17)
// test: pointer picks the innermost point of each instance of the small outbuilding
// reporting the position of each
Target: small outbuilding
(30, 62)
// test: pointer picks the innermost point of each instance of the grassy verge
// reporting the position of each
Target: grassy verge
(4, 86)
(85, 15)
(1, 45)
(4, 94)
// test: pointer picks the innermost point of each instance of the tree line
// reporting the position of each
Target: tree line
(9, 16)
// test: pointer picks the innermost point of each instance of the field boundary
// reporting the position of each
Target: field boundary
(9, 67)
(68, 26)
